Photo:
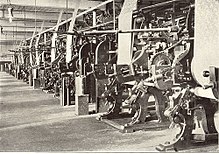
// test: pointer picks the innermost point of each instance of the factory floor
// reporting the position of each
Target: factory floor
(33, 121)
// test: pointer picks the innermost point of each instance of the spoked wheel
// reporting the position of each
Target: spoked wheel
(113, 95)
(112, 105)
(138, 111)
(110, 96)
(145, 104)
(178, 129)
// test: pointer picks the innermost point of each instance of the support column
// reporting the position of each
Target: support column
(94, 18)
(18, 72)
(125, 40)
(66, 98)
(6, 67)
(30, 77)
(55, 35)
(69, 37)
(9, 68)
(53, 50)
(36, 80)
(65, 92)
(81, 99)
(2, 68)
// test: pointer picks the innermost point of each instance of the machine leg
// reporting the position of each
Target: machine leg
(30, 77)
(81, 104)
(65, 92)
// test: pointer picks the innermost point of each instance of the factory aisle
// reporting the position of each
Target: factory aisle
(21, 105)
(33, 121)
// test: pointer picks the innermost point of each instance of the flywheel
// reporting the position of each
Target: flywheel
(160, 65)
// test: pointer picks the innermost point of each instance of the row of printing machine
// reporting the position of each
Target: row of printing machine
(133, 60)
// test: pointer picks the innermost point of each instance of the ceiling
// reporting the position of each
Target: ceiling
(32, 14)
(29, 15)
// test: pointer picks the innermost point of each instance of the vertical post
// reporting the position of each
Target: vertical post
(44, 37)
(37, 55)
(22, 57)
(114, 15)
(43, 56)
(53, 47)
(94, 18)
(31, 59)
(67, 80)
(125, 41)
(18, 66)
(30, 46)
(173, 14)
(53, 50)
(36, 81)
(37, 45)
(62, 93)
(69, 37)
(66, 99)
(2, 67)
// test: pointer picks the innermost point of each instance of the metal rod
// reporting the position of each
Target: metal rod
(94, 18)
(99, 25)
(59, 20)
(128, 31)
(114, 15)
(80, 31)
(70, 33)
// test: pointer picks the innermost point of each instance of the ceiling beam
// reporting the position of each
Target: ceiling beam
(50, 5)
(40, 15)
(39, 9)
(18, 37)
(18, 32)
(22, 26)
(5, 23)
(30, 20)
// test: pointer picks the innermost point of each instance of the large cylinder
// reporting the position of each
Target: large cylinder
(206, 50)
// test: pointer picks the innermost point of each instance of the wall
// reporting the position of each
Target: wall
(4, 53)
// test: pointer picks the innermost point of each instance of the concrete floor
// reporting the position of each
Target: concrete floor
(33, 121)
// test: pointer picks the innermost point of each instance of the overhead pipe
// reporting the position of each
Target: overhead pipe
(169, 29)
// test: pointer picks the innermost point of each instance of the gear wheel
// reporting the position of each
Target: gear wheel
(160, 64)
(159, 59)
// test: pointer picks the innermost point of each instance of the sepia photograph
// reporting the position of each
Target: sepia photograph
(109, 76)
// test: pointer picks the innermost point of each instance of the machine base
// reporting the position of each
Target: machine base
(120, 125)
